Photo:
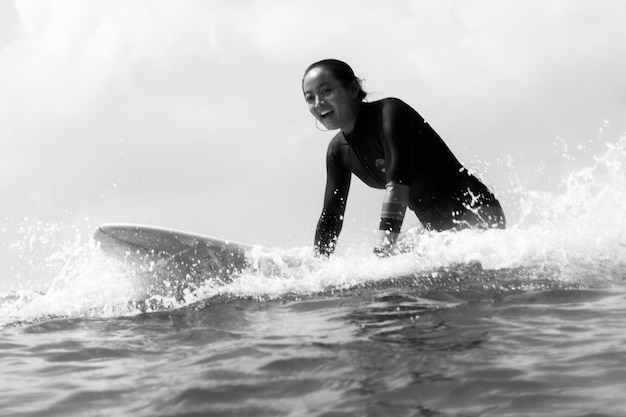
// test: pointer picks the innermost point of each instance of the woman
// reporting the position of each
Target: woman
(388, 145)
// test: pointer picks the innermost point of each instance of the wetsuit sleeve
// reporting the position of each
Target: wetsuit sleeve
(398, 119)
(335, 197)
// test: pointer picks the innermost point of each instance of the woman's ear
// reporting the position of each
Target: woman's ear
(355, 89)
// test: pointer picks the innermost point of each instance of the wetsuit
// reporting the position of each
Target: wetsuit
(392, 144)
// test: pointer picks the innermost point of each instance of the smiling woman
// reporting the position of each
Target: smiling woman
(334, 94)
(388, 145)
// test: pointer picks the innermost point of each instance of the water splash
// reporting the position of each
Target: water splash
(576, 236)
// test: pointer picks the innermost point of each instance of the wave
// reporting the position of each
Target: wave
(571, 239)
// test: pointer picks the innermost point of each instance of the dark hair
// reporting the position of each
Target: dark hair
(341, 71)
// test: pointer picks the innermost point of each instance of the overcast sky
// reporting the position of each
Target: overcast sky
(189, 114)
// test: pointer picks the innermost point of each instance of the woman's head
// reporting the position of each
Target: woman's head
(333, 94)
(341, 71)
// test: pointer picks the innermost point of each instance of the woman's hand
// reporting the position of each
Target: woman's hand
(386, 243)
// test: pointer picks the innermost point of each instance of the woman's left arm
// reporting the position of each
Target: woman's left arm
(397, 120)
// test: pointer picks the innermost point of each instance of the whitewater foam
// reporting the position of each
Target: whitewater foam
(580, 233)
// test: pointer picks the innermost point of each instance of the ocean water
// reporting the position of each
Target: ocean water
(528, 321)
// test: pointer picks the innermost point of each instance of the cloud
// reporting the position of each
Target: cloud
(72, 52)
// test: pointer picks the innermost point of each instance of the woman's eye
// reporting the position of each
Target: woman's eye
(327, 91)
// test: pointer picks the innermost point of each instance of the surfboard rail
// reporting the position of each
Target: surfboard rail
(155, 239)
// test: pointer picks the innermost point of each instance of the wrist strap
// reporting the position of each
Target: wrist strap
(394, 207)
(390, 225)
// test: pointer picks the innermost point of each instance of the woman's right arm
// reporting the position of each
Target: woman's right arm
(335, 197)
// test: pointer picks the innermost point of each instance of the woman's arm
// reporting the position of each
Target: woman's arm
(398, 119)
(335, 198)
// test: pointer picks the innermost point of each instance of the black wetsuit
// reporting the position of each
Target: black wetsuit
(391, 142)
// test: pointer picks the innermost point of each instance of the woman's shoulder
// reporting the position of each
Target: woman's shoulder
(394, 103)
(389, 105)
(337, 149)
(394, 107)
(337, 143)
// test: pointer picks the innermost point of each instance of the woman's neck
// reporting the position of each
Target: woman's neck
(349, 128)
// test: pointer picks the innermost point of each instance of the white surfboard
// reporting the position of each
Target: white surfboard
(170, 260)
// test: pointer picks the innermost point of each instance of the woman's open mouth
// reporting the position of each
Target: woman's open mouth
(324, 114)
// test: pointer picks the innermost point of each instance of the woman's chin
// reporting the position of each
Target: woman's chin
(330, 125)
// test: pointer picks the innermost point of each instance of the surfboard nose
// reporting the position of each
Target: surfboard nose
(116, 238)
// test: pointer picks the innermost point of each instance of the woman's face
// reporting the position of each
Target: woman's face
(329, 100)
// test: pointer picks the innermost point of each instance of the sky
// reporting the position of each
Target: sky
(189, 114)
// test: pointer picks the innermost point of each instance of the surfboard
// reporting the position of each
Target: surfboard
(171, 261)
